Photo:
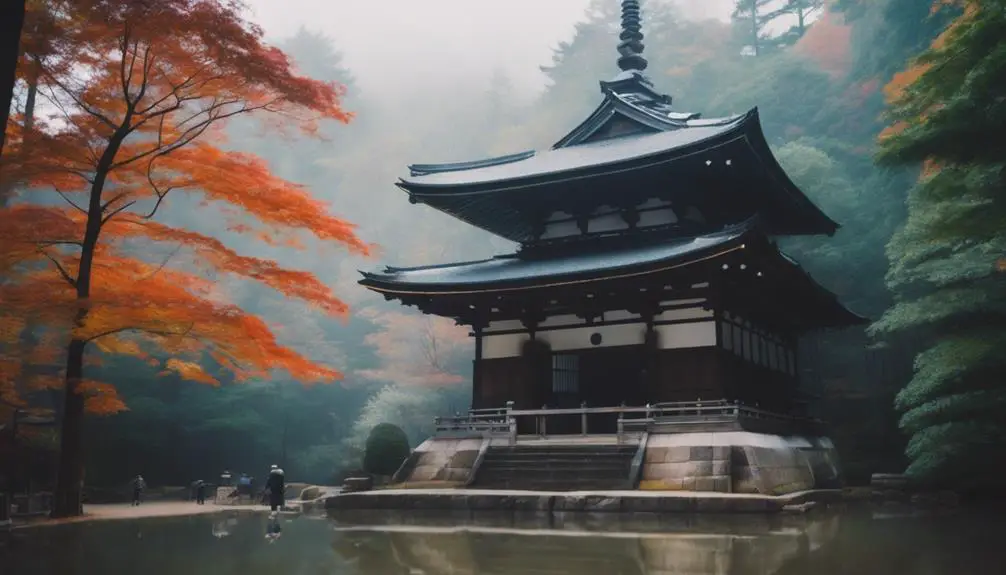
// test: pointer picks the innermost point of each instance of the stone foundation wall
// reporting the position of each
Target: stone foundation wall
(739, 462)
(441, 460)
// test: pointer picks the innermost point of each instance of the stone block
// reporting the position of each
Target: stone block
(688, 484)
(705, 483)
(700, 453)
(722, 484)
(655, 454)
(721, 452)
(424, 473)
(463, 459)
(677, 454)
(720, 467)
(661, 485)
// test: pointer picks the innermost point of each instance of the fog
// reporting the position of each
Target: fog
(450, 80)
(397, 46)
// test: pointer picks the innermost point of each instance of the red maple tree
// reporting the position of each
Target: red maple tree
(140, 89)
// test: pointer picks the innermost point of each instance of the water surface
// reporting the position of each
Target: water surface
(859, 543)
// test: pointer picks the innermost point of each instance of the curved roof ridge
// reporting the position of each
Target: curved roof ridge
(424, 169)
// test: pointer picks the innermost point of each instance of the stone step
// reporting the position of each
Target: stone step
(554, 485)
(571, 449)
(557, 462)
(561, 456)
(539, 473)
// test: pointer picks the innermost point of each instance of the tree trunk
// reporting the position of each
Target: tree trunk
(7, 186)
(70, 473)
(12, 18)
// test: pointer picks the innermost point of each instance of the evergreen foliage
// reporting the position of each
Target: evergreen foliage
(387, 447)
(948, 112)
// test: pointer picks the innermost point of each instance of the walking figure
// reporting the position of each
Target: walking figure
(138, 486)
(276, 485)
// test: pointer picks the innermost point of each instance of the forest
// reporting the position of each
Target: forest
(181, 227)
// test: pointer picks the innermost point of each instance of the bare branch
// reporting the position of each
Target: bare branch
(152, 331)
(116, 211)
(69, 201)
(163, 263)
(191, 133)
(83, 106)
(59, 266)
(47, 243)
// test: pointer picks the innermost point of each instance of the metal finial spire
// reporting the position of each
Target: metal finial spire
(631, 46)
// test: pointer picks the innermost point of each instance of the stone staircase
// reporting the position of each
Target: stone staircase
(556, 468)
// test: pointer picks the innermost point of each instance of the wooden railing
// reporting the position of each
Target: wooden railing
(502, 422)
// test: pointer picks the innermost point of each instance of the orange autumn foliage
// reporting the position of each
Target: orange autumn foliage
(140, 91)
(828, 43)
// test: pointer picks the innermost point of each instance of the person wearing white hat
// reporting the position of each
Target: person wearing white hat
(276, 484)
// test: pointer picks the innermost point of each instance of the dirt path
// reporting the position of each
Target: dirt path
(153, 509)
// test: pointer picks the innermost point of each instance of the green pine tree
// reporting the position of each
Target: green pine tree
(948, 111)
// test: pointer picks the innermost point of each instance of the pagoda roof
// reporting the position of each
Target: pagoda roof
(508, 272)
(571, 160)
(634, 136)
(515, 273)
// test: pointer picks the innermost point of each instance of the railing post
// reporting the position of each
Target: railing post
(511, 425)
(544, 423)
(583, 418)
(621, 428)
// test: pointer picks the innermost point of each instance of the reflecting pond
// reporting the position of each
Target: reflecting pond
(851, 543)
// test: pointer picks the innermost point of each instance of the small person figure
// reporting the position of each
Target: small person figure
(138, 486)
(276, 484)
(273, 531)
(200, 492)
(225, 478)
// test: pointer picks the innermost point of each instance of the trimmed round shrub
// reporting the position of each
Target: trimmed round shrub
(387, 447)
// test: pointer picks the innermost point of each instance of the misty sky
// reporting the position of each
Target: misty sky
(391, 45)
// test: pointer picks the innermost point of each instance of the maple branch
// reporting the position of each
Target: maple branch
(59, 266)
(150, 330)
(126, 79)
(194, 131)
(163, 263)
(48, 243)
(160, 195)
(80, 102)
(116, 211)
(69, 201)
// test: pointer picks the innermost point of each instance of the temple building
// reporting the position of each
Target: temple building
(647, 272)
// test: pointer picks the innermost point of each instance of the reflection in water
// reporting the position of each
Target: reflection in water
(852, 544)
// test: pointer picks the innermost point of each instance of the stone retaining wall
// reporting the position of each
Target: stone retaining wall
(739, 462)
(723, 462)
(441, 460)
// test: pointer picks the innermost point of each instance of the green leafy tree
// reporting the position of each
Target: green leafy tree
(387, 447)
(948, 112)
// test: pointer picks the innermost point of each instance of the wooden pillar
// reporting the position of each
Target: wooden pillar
(478, 397)
(651, 360)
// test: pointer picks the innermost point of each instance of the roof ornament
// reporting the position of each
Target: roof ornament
(631, 46)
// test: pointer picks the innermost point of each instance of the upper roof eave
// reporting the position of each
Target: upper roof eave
(649, 146)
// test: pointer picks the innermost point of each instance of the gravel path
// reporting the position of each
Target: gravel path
(152, 509)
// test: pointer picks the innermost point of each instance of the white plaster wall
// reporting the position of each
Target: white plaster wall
(686, 335)
(579, 338)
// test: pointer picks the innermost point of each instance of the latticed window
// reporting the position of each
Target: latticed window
(565, 374)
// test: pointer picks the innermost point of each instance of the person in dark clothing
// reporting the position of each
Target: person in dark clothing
(200, 492)
(276, 485)
(138, 486)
